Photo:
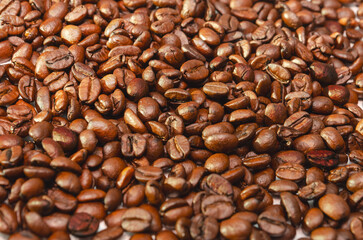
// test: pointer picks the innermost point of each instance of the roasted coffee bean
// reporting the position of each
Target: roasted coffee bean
(217, 206)
(178, 147)
(136, 220)
(273, 224)
(290, 171)
(222, 142)
(36, 224)
(205, 227)
(133, 145)
(8, 219)
(173, 209)
(194, 71)
(279, 186)
(235, 228)
(146, 173)
(312, 191)
(323, 73)
(63, 201)
(104, 129)
(216, 184)
(109, 233)
(278, 73)
(322, 158)
(314, 174)
(82, 225)
(42, 205)
(313, 219)
(355, 182)
(59, 59)
(334, 206)
(89, 89)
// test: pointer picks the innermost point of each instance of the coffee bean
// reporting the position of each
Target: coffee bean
(135, 220)
(232, 228)
(89, 89)
(216, 184)
(322, 158)
(104, 129)
(59, 59)
(217, 206)
(222, 142)
(290, 171)
(173, 209)
(334, 206)
(8, 219)
(354, 182)
(312, 191)
(133, 145)
(313, 219)
(206, 227)
(178, 147)
(36, 224)
(109, 233)
(194, 71)
(82, 225)
(273, 224)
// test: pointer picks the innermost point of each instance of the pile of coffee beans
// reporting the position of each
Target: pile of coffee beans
(181, 119)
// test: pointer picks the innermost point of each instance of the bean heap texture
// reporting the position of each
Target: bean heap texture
(181, 119)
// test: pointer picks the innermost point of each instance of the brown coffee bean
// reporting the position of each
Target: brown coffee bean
(95, 209)
(173, 209)
(217, 206)
(36, 224)
(134, 196)
(8, 219)
(234, 227)
(273, 224)
(109, 233)
(355, 182)
(332, 138)
(69, 182)
(125, 177)
(147, 173)
(194, 71)
(215, 184)
(89, 89)
(135, 220)
(8, 95)
(43, 205)
(290, 171)
(313, 219)
(216, 90)
(334, 206)
(65, 137)
(222, 142)
(178, 147)
(32, 188)
(59, 59)
(104, 129)
(63, 201)
(217, 163)
(82, 225)
(322, 158)
(312, 191)
(279, 186)
(278, 73)
(309, 142)
(323, 73)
